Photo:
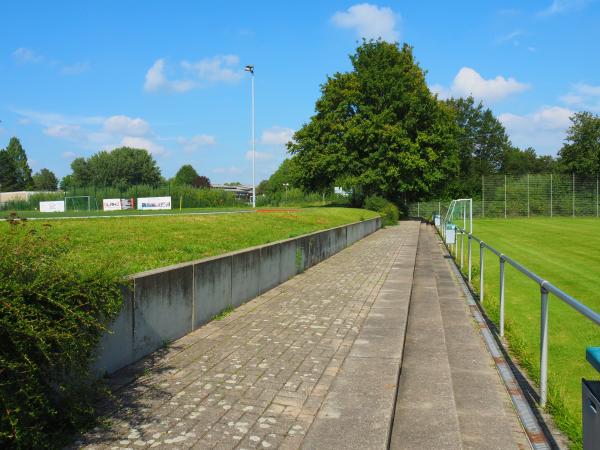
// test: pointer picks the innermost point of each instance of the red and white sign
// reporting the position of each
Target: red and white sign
(117, 204)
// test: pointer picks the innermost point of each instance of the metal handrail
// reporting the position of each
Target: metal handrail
(545, 288)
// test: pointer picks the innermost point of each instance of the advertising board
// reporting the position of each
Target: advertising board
(53, 206)
(149, 203)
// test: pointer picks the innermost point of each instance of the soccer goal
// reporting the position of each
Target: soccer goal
(81, 203)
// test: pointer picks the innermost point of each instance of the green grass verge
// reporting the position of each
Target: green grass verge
(134, 244)
(565, 252)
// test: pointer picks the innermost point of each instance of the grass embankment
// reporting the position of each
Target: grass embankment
(134, 244)
(127, 212)
(565, 252)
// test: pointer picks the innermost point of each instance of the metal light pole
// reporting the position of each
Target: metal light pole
(250, 68)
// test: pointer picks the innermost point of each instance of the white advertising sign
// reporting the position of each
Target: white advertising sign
(111, 204)
(55, 206)
(154, 203)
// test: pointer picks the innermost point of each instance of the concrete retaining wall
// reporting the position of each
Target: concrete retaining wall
(167, 303)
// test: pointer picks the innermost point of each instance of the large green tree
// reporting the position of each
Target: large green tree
(186, 175)
(581, 150)
(520, 162)
(8, 175)
(282, 178)
(120, 167)
(378, 129)
(20, 166)
(45, 180)
(482, 142)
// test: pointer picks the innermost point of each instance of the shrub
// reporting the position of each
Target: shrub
(389, 212)
(52, 316)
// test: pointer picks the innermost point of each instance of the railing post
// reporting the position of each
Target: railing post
(481, 249)
(501, 295)
(469, 257)
(544, 346)
(462, 248)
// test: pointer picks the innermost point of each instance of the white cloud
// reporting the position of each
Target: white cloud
(469, 82)
(196, 142)
(259, 156)
(97, 132)
(126, 126)
(146, 144)
(563, 6)
(369, 21)
(156, 80)
(543, 129)
(69, 155)
(65, 131)
(583, 96)
(218, 69)
(276, 135)
(27, 56)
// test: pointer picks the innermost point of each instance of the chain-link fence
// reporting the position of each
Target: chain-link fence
(526, 196)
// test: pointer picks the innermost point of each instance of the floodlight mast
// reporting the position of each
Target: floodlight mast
(250, 68)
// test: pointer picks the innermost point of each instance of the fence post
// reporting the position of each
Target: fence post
(482, 197)
(544, 347)
(573, 194)
(470, 240)
(550, 195)
(418, 209)
(505, 196)
(501, 295)
(481, 249)
(528, 196)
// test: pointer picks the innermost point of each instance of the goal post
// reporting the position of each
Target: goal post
(81, 203)
(460, 213)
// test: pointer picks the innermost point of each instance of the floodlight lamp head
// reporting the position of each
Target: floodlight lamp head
(249, 68)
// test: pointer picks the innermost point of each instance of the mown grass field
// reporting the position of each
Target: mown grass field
(566, 252)
(132, 244)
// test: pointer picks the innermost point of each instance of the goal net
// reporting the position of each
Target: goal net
(81, 203)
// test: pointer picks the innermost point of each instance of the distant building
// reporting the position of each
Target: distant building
(241, 191)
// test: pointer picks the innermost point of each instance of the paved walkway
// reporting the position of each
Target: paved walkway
(315, 363)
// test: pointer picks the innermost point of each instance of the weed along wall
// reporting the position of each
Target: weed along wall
(165, 304)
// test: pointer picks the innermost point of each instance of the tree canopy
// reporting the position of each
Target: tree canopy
(45, 180)
(186, 175)
(581, 151)
(120, 167)
(15, 173)
(378, 129)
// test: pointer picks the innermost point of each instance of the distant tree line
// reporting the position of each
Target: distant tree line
(378, 130)
(120, 168)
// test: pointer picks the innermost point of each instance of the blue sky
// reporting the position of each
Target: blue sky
(78, 77)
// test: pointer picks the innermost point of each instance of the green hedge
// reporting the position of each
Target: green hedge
(389, 212)
(52, 316)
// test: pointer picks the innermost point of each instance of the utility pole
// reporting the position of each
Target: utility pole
(250, 68)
